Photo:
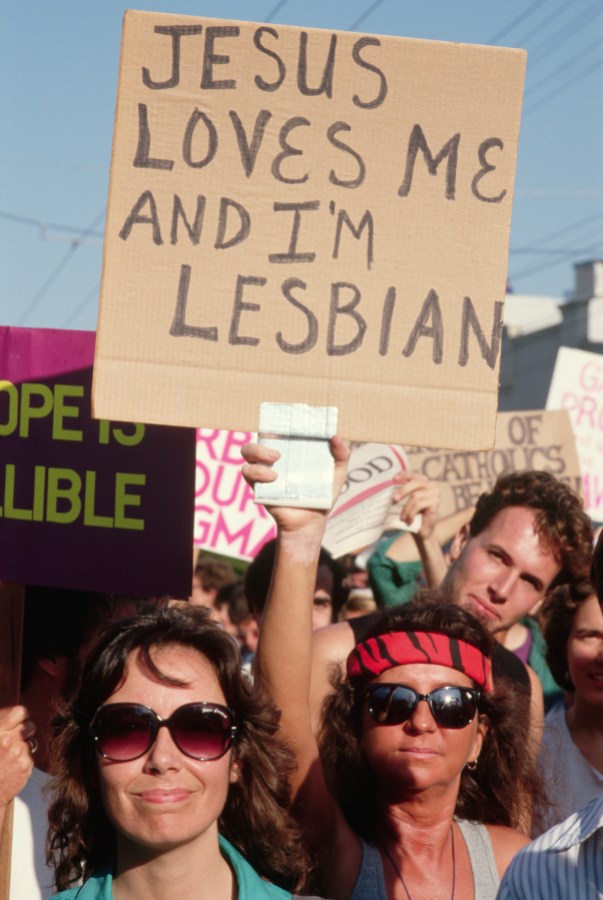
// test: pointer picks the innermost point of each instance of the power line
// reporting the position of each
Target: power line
(81, 306)
(516, 21)
(362, 18)
(560, 36)
(75, 244)
(275, 9)
(579, 76)
(522, 41)
(567, 64)
(43, 226)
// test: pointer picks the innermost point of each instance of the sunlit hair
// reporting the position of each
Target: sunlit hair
(504, 788)
(561, 521)
(81, 838)
(557, 618)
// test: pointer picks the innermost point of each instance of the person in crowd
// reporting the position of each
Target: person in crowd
(567, 860)
(17, 746)
(60, 627)
(329, 593)
(572, 744)
(209, 576)
(360, 602)
(170, 779)
(392, 574)
(422, 775)
(528, 534)
(246, 628)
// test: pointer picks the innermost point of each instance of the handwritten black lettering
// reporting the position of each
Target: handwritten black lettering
(349, 310)
(365, 222)
(378, 100)
(292, 254)
(244, 224)
(386, 320)
(178, 213)
(176, 32)
(312, 336)
(326, 83)
(249, 151)
(260, 82)
(486, 167)
(449, 151)
(239, 306)
(136, 217)
(352, 182)
(211, 59)
(142, 159)
(179, 328)
(470, 320)
(435, 331)
(197, 116)
(288, 150)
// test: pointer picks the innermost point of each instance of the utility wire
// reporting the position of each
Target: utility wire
(516, 21)
(559, 37)
(43, 226)
(75, 244)
(362, 18)
(567, 64)
(275, 9)
(579, 76)
(81, 306)
(522, 41)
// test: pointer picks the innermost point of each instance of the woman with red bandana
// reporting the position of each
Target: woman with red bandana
(421, 780)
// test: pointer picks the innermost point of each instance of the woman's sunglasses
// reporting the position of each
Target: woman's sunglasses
(125, 731)
(451, 707)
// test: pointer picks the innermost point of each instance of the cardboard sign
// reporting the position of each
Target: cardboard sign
(306, 216)
(524, 440)
(227, 520)
(87, 504)
(577, 386)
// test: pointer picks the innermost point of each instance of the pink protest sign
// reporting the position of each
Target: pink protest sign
(577, 386)
(86, 503)
(227, 521)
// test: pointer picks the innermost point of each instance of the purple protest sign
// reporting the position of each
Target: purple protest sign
(86, 503)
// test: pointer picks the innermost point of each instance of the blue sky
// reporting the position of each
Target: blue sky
(59, 62)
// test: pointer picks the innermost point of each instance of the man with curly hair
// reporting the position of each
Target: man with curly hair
(526, 536)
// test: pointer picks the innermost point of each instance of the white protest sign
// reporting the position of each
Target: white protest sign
(577, 386)
(364, 509)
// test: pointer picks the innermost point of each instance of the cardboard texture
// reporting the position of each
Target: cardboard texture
(305, 216)
(531, 439)
(577, 386)
(94, 505)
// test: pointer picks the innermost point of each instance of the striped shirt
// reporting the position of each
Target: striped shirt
(565, 863)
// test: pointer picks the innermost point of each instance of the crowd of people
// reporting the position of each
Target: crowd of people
(421, 721)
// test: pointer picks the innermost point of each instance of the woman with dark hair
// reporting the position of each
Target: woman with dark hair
(571, 754)
(414, 792)
(171, 780)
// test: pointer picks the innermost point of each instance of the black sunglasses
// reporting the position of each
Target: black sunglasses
(451, 707)
(125, 731)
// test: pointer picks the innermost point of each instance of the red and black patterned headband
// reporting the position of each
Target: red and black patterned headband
(377, 654)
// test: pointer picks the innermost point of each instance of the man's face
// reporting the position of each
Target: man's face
(502, 572)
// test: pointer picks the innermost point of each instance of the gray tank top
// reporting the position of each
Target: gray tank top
(370, 884)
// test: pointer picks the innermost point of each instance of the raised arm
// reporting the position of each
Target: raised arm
(284, 656)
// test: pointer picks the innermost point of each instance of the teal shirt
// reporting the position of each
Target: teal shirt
(393, 583)
(249, 884)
